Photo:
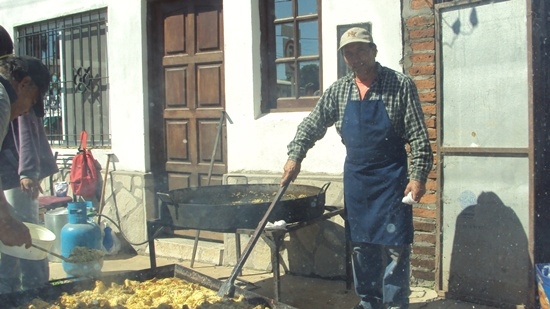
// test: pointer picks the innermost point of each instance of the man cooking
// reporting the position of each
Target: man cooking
(376, 111)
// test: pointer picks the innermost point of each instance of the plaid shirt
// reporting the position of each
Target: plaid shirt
(402, 105)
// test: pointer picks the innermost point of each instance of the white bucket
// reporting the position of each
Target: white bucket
(41, 237)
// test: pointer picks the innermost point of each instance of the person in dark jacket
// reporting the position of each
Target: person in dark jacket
(23, 81)
(26, 158)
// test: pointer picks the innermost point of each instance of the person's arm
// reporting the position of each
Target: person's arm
(417, 189)
(12, 231)
(310, 130)
(314, 126)
(290, 171)
(5, 112)
(29, 156)
(417, 136)
(31, 186)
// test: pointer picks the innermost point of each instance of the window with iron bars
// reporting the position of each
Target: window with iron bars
(74, 48)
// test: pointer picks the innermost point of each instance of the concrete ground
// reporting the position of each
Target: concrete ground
(297, 291)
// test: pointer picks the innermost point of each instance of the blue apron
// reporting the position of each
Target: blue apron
(375, 176)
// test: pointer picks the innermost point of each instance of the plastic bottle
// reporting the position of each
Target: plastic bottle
(79, 232)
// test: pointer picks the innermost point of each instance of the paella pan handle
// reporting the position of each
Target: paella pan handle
(324, 189)
(167, 199)
(319, 199)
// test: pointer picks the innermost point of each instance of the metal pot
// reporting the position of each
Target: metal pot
(227, 208)
(55, 220)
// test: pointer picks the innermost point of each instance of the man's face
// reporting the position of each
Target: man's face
(360, 57)
(27, 95)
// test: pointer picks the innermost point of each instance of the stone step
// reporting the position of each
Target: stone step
(182, 248)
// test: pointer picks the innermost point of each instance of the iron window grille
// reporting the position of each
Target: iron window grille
(74, 48)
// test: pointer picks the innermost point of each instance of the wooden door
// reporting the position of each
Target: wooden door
(187, 61)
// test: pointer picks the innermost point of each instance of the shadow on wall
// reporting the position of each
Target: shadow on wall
(318, 250)
(490, 258)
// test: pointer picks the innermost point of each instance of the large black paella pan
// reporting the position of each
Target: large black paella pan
(226, 208)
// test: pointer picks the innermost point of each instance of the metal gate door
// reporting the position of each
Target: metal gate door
(484, 151)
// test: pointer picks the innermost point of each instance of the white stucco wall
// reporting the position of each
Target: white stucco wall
(243, 83)
(256, 142)
(127, 54)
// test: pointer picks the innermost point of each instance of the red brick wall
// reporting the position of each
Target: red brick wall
(419, 63)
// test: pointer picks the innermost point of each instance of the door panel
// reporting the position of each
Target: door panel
(174, 41)
(176, 84)
(209, 85)
(208, 37)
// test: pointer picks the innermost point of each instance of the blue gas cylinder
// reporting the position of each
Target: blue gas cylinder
(80, 232)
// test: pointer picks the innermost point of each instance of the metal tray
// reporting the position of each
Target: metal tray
(70, 285)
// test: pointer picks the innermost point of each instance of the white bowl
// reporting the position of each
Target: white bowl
(41, 237)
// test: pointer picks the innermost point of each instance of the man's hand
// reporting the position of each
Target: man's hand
(417, 188)
(291, 171)
(14, 233)
(31, 186)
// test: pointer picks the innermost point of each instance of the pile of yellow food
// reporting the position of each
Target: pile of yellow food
(84, 255)
(261, 197)
(166, 293)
